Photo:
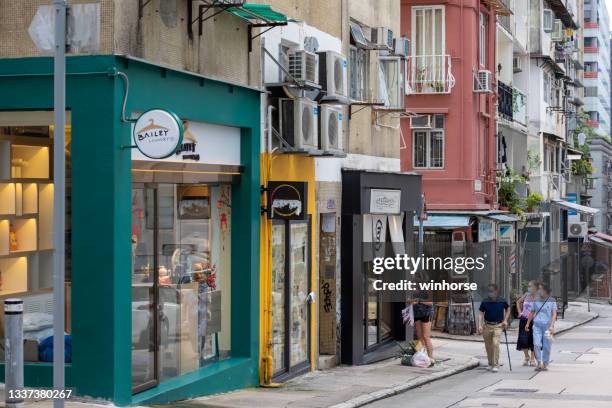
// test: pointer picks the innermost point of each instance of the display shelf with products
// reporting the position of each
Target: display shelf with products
(23, 235)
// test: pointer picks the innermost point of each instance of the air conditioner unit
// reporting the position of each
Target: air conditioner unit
(383, 37)
(299, 123)
(482, 81)
(401, 46)
(547, 20)
(304, 66)
(330, 128)
(420, 122)
(517, 65)
(333, 74)
(577, 230)
(557, 31)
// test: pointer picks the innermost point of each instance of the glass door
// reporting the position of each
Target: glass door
(279, 315)
(299, 288)
(290, 302)
(181, 277)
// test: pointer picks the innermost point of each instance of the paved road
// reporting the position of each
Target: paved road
(580, 375)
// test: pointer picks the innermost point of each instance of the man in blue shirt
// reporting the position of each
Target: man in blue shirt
(492, 320)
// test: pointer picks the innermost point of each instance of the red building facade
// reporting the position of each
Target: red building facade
(451, 87)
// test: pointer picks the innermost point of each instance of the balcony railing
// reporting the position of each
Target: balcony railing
(591, 24)
(504, 104)
(504, 21)
(590, 74)
(429, 74)
(591, 50)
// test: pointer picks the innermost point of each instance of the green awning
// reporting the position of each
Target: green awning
(258, 12)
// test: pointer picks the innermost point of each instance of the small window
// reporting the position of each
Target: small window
(358, 73)
(283, 59)
(358, 38)
(428, 145)
(483, 40)
(391, 81)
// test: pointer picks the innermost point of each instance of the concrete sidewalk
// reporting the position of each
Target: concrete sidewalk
(340, 387)
(576, 314)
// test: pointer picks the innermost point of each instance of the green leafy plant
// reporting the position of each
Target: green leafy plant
(507, 196)
(532, 201)
(405, 353)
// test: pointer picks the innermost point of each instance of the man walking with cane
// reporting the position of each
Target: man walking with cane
(492, 321)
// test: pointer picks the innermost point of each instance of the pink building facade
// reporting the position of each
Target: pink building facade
(451, 87)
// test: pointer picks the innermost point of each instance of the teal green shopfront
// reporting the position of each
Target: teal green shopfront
(162, 255)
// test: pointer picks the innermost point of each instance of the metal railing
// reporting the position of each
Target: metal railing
(504, 21)
(504, 104)
(429, 74)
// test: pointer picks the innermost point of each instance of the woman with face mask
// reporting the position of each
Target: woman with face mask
(525, 337)
(543, 314)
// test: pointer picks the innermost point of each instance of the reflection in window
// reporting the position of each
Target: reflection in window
(181, 241)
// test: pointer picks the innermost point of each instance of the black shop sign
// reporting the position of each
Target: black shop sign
(287, 200)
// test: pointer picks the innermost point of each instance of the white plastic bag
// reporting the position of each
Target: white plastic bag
(420, 359)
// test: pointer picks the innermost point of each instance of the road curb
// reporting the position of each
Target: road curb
(389, 392)
(478, 339)
(580, 323)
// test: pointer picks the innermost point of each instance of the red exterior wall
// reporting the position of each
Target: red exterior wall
(470, 127)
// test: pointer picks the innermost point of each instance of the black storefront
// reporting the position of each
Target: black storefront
(377, 207)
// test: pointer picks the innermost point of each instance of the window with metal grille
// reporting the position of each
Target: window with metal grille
(428, 145)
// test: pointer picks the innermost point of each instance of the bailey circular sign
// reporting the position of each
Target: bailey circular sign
(158, 133)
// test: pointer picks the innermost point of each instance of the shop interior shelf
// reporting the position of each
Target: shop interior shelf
(7, 198)
(14, 272)
(29, 162)
(26, 234)
(5, 160)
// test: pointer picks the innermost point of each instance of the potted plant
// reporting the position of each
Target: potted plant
(405, 353)
(532, 201)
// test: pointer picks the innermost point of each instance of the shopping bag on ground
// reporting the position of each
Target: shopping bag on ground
(420, 359)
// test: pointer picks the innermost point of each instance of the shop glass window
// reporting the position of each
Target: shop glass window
(428, 145)
(26, 226)
(391, 81)
(358, 72)
(181, 279)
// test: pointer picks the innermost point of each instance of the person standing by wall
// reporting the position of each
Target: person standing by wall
(544, 316)
(492, 321)
(525, 337)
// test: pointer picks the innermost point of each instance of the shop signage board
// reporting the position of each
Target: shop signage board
(203, 143)
(385, 201)
(158, 134)
(505, 234)
(287, 200)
